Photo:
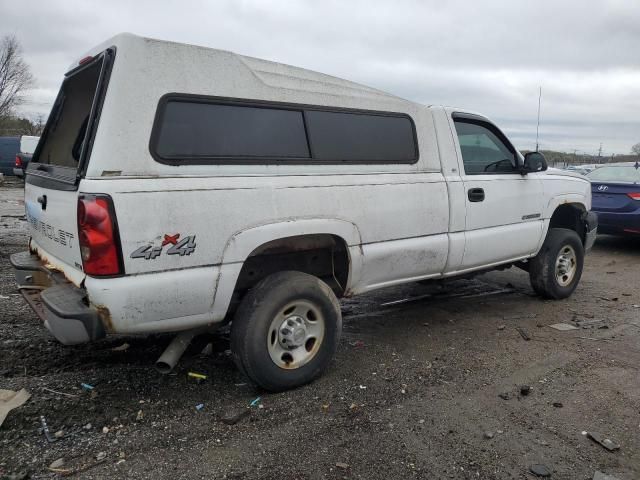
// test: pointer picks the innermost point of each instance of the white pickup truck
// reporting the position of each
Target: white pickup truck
(178, 188)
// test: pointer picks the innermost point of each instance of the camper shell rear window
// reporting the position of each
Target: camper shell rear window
(209, 130)
(64, 148)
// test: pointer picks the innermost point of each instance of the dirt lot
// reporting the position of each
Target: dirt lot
(416, 390)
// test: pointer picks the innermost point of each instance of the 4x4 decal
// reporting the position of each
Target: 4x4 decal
(186, 246)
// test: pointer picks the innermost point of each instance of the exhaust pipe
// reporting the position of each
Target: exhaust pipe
(174, 351)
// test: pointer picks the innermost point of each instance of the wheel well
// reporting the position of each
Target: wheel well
(322, 255)
(569, 215)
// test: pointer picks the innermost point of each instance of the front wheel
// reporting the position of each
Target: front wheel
(556, 270)
(286, 330)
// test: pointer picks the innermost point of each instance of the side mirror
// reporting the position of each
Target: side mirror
(534, 162)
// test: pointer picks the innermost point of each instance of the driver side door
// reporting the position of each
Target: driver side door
(503, 208)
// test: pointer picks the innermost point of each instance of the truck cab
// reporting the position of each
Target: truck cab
(177, 188)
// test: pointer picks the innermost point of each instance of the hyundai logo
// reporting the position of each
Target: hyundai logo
(603, 188)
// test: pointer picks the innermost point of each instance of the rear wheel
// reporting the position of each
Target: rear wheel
(286, 330)
(556, 270)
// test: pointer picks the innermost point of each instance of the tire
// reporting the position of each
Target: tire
(286, 330)
(555, 272)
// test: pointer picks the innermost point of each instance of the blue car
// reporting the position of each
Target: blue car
(9, 146)
(616, 198)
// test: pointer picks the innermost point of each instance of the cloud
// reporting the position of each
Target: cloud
(488, 56)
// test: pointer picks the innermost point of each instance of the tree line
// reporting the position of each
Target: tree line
(15, 80)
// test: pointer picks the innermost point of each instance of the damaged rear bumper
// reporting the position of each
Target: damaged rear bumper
(62, 306)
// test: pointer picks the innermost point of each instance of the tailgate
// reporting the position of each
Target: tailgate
(52, 219)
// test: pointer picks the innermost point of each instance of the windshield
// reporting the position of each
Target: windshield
(67, 126)
(622, 173)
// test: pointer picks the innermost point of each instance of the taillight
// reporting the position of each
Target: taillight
(18, 162)
(634, 195)
(98, 236)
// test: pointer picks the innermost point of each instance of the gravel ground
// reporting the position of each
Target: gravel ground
(426, 384)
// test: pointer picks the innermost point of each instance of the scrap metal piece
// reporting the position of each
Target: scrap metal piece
(563, 327)
(605, 442)
(523, 333)
(45, 429)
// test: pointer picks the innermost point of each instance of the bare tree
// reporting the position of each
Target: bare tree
(15, 75)
(635, 150)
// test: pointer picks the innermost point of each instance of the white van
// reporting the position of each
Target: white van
(177, 188)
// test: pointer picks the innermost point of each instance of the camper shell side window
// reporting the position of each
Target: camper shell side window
(191, 129)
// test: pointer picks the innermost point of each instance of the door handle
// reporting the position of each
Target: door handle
(476, 194)
(42, 200)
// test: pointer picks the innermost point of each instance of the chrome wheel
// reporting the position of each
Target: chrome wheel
(295, 334)
(566, 265)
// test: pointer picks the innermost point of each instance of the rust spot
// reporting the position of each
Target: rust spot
(52, 267)
(105, 317)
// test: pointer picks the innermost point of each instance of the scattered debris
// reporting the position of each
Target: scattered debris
(540, 470)
(363, 387)
(121, 348)
(558, 404)
(605, 442)
(603, 476)
(525, 390)
(563, 327)
(105, 429)
(607, 299)
(520, 317)
(101, 456)
(357, 344)
(501, 327)
(342, 466)
(523, 333)
(488, 435)
(234, 416)
(198, 377)
(59, 463)
(87, 426)
(255, 402)
(45, 429)
(199, 406)
(207, 351)
(87, 387)
(10, 400)
(504, 395)
(59, 434)
(59, 393)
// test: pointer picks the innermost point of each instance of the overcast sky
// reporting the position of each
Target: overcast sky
(488, 56)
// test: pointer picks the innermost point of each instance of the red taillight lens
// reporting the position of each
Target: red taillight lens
(634, 195)
(98, 236)
(18, 162)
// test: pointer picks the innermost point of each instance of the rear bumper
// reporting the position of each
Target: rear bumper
(619, 222)
(18, 172)
(61, 305)
(591, 223)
